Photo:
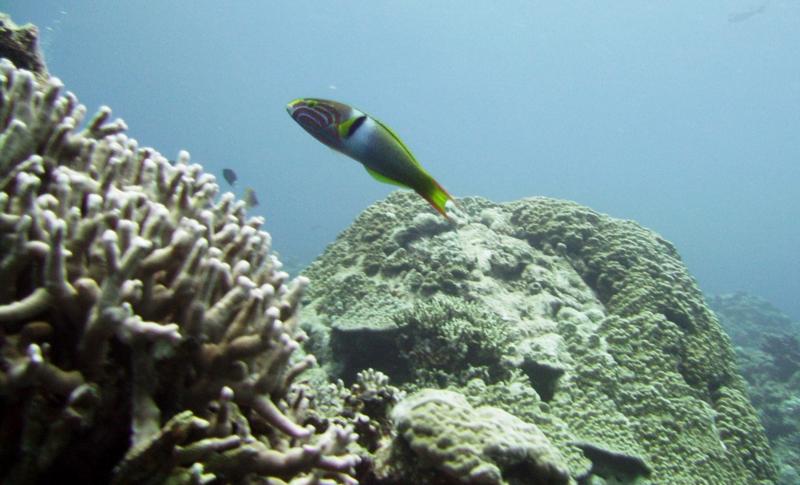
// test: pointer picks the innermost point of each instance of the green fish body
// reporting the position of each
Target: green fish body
(369, 141)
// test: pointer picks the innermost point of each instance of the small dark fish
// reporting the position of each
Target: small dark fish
(744, 15)
(250, 198)
(229, 176)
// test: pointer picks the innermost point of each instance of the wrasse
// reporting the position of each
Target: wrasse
(369, 141)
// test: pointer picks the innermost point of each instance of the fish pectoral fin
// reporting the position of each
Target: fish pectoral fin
(383, 178)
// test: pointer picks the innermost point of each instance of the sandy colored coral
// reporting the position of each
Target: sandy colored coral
(148, 334)
(484, 445)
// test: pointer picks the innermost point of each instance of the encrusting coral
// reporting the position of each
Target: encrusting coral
(148, 335)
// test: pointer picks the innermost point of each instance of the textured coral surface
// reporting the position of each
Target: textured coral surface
(587, 326)
(19, 45)
(147, 333)
(476, 445)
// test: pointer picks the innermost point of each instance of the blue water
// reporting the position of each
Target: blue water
(667, 113)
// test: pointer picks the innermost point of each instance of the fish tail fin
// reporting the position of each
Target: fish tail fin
(436, 196)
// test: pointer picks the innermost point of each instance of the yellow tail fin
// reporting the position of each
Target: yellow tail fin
(437, 197)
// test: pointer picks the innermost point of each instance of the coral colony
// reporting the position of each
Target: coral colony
(148, 334)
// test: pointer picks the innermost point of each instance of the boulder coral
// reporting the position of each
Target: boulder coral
(147, 333)
(606, 343)
(483, 445)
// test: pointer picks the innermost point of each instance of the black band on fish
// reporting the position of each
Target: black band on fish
(354, 126)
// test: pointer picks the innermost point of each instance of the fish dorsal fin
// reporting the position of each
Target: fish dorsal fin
(399, 141)
(383, 178)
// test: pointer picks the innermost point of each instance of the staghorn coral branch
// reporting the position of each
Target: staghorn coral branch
(135, 326)
(258, 459)
(221, 424)
(267, 409)
(14, 145)
(55, 270)
(94, 343)
(28, 307)
(145, 460)
(145, 414)
(196, 475)
(200, 450)
(225, 307)
(241, 325)
(99, 128)
(33, 164)
(270, 380)
(294, 371)
(34, 370)
(17, 254)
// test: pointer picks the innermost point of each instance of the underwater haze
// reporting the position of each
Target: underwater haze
(683, 116)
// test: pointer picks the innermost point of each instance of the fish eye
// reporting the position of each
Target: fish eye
(355, 124)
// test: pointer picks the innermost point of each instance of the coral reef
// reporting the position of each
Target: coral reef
(748, 318)
(768, 353)
(148, 336)
(588, 327)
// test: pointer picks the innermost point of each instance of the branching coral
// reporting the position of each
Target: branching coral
(366, 407)
(147, 332)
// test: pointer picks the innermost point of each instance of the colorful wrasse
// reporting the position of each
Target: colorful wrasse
(367, 140)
